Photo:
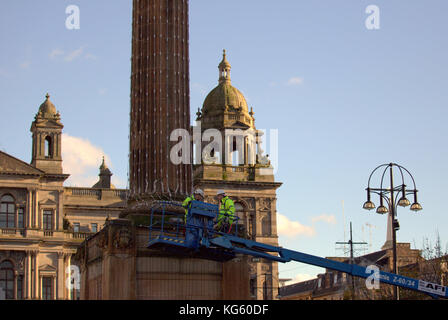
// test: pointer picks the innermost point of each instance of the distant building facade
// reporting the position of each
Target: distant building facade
(335, 285)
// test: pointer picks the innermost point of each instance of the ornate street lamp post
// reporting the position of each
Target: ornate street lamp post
(393, 199)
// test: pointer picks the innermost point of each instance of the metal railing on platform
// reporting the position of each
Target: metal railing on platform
(169, 222)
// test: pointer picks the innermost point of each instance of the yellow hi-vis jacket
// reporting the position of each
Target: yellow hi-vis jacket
(226, 210)
(186, 205)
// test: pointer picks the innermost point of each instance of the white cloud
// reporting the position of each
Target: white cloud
(74, 54)
(330, 219)
(300, 278)
(55, 53)
(81, 159)
(292, 229)
(102, 91)
(295, 81)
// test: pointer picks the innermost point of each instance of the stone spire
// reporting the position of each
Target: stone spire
(389, 237)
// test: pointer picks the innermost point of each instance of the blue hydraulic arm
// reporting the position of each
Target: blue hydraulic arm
(265, 251)
(201, 235)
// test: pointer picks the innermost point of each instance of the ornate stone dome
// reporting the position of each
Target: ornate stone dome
(47, 110)
(225, 105)
(225, 95)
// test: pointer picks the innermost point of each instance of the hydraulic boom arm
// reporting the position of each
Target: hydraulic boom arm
(200, 237)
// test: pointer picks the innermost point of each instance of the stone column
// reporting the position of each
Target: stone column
(16, 275)
(60, 211)
(36, 210)
(36, 286)
(60, 277)
(274, 216)
(28, 210)
(227, 148)
(55, 290)
(28, 275)
(67, 290)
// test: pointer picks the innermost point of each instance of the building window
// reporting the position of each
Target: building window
(253, 287)
(48, 147)
(7, 280)
(47, 288)
(20, 288)
(267, 287)
(20, 218)
(48, 220)
(7, 212)
(319, 283)
(76, 227)
(94, 227)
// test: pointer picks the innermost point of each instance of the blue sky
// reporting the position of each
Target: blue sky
(344, 99)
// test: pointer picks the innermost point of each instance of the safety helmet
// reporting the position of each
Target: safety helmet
(220, 192)
(199, 191)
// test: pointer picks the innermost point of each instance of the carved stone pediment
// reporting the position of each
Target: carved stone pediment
(47, 202)
(47, 268)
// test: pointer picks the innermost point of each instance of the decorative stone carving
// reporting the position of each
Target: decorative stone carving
(250, 203)
(102, 240)
(122, 238)
(264, 204)
(266, 267)
(252, 268)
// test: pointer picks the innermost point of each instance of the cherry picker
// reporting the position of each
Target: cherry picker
(198, 237)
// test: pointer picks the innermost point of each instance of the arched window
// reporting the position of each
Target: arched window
(7, 212)
(7, 279)
(48, 147)
(267, 288)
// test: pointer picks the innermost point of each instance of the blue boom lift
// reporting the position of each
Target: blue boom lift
(197, 237)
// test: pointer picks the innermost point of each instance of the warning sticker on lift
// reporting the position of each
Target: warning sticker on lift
(431, 288)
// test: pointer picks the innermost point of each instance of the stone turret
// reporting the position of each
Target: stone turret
(47, 132)
(105, 177)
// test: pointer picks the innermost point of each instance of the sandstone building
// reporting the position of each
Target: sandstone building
(48, 231)
(42, 222)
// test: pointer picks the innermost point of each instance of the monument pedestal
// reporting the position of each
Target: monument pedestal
(116, 264)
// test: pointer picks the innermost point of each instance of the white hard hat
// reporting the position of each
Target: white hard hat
(220, 192)
(199, 191)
